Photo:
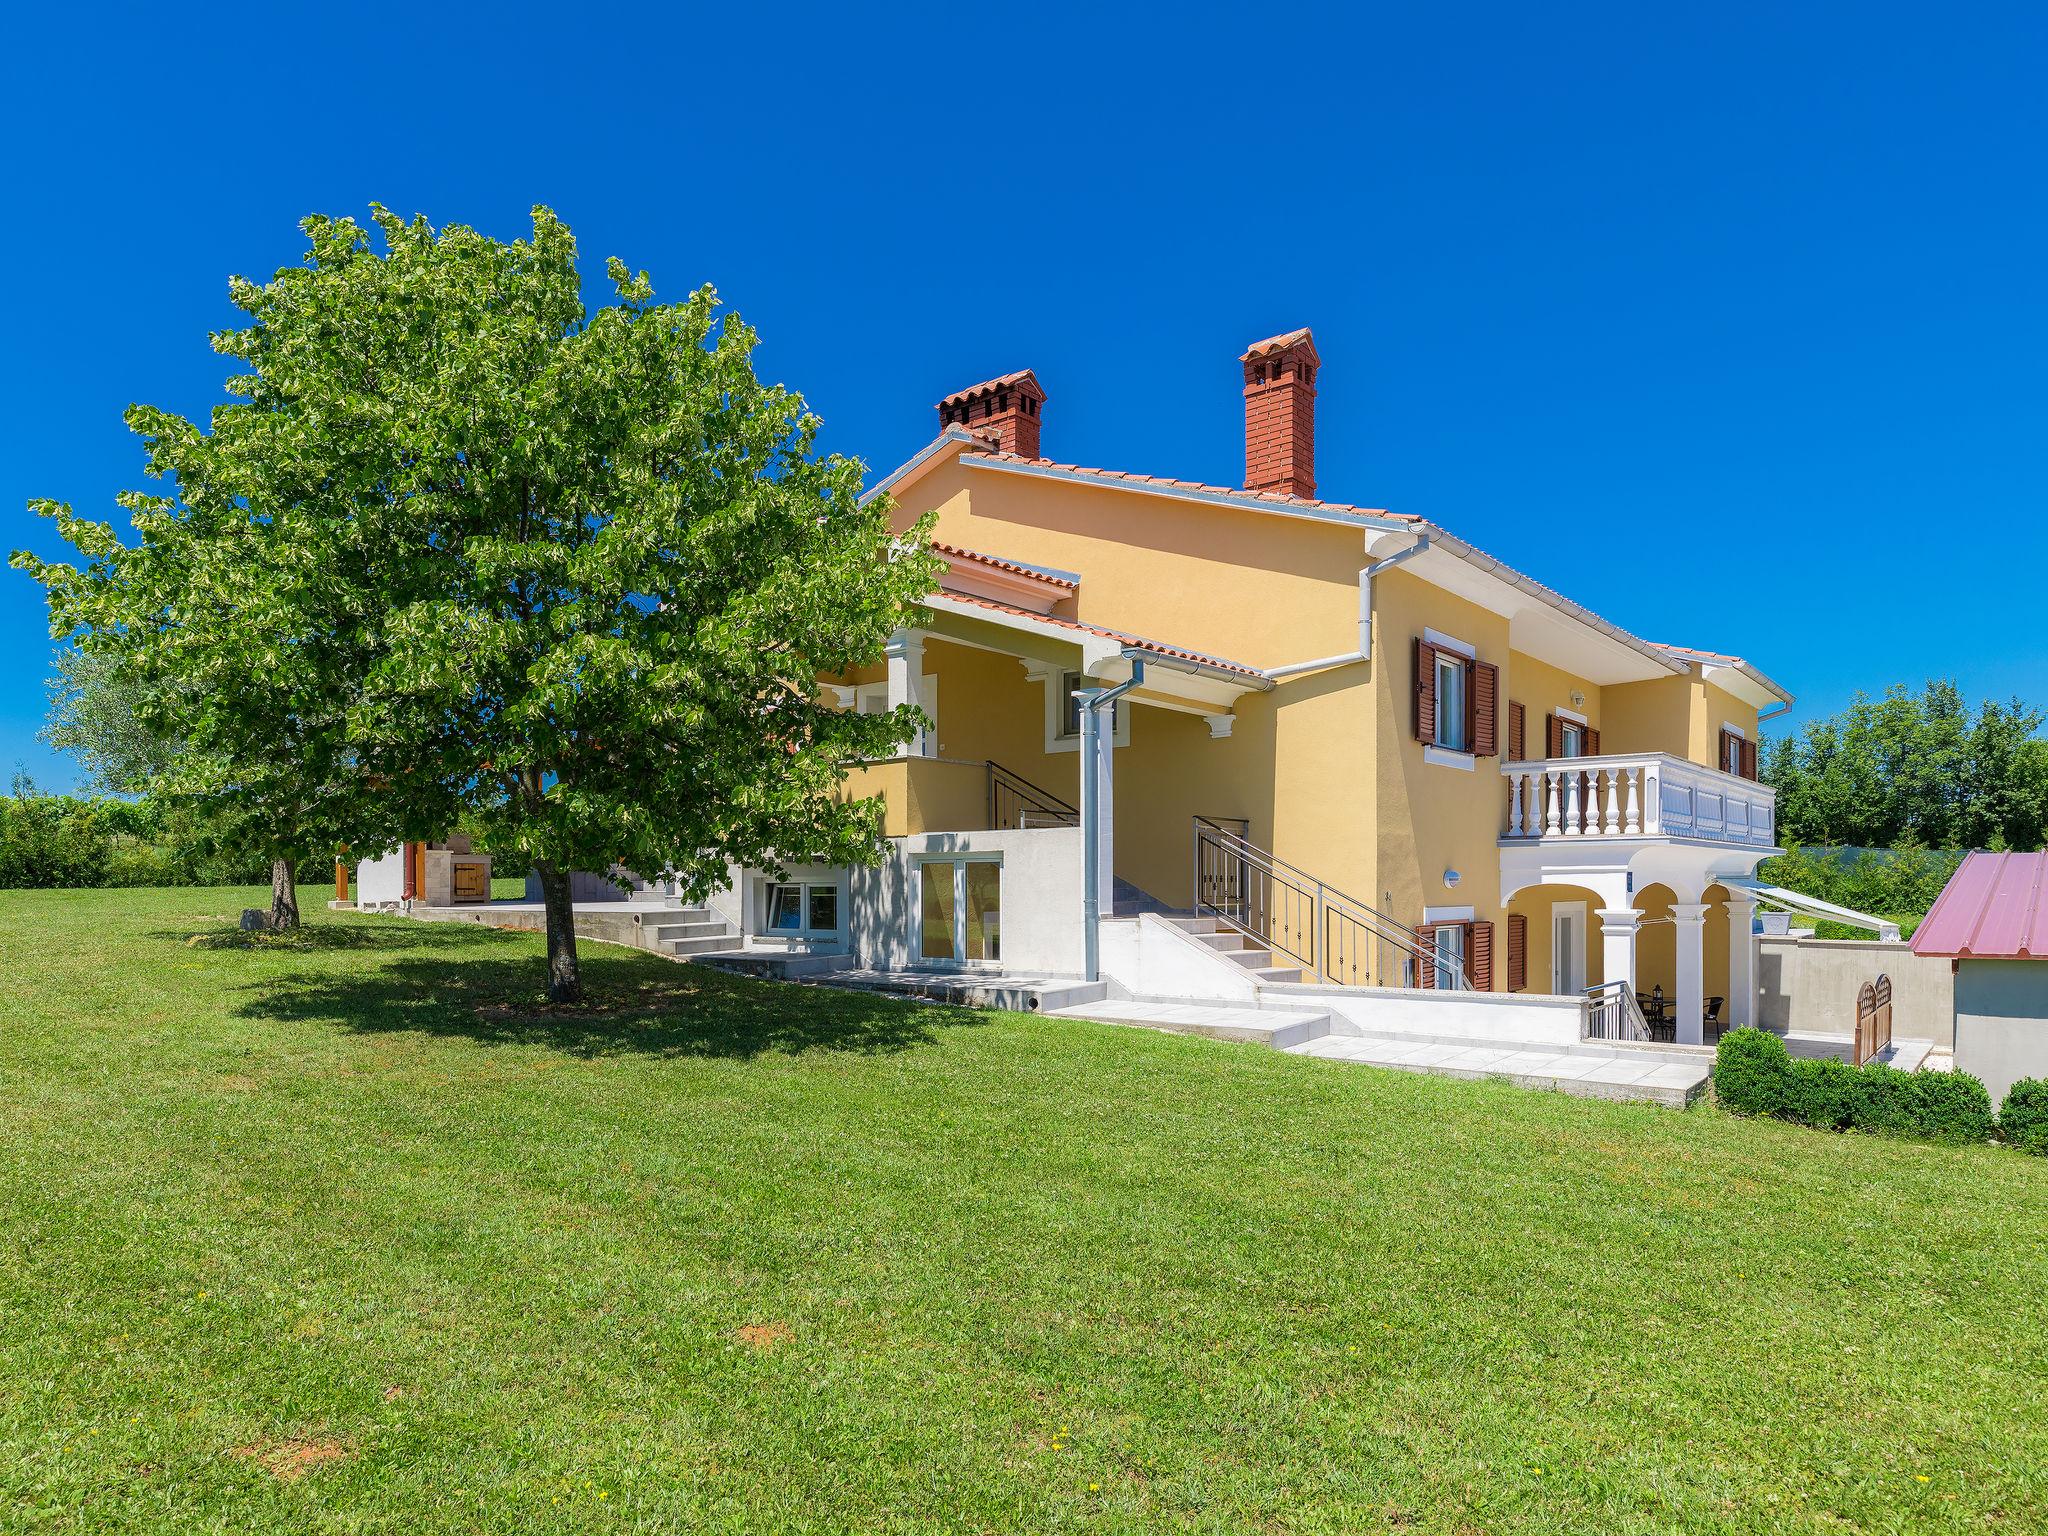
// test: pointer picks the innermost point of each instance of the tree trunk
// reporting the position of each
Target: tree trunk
(284, 895)
(565, 976)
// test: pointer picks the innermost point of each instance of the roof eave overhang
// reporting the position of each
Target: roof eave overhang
(1659, 663)
(945, 446)
(1745, 682)
(1206, 497)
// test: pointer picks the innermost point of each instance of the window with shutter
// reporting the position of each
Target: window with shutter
(1553, 736)
(1485, 708)
(1479, 955)
(1592, 742)
(1749, 760)
(1518, 952)
(1425, 964)
(1425, 690)
(1518, 732)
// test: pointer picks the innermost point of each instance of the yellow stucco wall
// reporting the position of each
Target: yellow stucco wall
(1325, 767)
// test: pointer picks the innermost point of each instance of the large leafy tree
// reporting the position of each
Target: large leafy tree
(607, 562)
(569, 575)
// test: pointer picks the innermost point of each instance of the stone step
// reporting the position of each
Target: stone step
(1631, 1075)
(704, 944)
(1250, 959)
(1276, 975)
(1254, 1025)
(1197, 925)
(695, 928)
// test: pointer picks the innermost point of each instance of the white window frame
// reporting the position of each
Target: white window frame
(1052, 679)
(958, 862)
(1728, 729)
(1433, 752)
(803, 932)
(860, 696)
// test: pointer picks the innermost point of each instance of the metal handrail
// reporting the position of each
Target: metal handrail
(1616, 1014)
(1331, 934)
(1027, 796)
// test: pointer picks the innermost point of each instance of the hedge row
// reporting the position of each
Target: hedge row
(1755, 1075)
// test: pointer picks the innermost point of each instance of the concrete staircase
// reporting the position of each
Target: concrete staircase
(1232, 946)
(683, 931)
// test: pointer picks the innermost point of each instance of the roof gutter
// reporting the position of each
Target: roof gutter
(1139, 656)
(1479, 560)
(1364, 651)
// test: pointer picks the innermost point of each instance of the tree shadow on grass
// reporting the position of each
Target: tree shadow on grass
(633, 1006)
(313, 937)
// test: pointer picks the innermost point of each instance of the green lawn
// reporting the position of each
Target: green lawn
(343, 1233)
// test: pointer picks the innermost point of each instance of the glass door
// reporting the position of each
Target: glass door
(960, 907)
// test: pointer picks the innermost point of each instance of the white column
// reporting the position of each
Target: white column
(1742, 948)
(1517, 787)
(905, 653)
(1618, 944)
(1690, 921)
(1551, 824)
(1611, 824)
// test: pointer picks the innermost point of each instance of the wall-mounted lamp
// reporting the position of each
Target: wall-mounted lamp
(1452, 877)
(1578, 699)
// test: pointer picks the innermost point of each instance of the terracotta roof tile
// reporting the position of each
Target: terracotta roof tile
(1180, 653)
(1007, 379)
(1043, 573)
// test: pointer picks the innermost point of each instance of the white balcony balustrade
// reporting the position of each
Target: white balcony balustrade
(1646, 795)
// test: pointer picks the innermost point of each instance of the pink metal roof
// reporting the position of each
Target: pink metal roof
(1995, 907)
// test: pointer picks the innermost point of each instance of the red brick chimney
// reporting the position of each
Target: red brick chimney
(1005, 410)
(1280, 414)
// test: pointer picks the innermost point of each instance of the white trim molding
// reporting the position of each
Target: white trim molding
(1444, 642)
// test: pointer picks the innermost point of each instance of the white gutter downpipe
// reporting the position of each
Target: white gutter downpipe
(1093, 701)
(1364, 651)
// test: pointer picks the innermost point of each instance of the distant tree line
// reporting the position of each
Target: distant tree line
(49, 840)
(1914, 770)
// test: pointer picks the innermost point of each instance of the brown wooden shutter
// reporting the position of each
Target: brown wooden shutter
(1479, 956)
(1518, 731)
(1485, 692)
(1518, 952)
(1592, 739)
(1425, 690)
(1748, 759)
(1426, 970)
(1553, 736)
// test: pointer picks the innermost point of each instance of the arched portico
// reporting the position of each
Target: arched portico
(1658, 916)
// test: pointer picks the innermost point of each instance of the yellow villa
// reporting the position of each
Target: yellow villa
(1249, 748)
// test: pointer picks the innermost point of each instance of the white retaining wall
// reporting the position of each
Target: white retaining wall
(1540, 1018)
(1148, 957)
(1808, 986)
(1041, 899)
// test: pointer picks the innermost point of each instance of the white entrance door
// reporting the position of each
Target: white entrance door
(1568, 946)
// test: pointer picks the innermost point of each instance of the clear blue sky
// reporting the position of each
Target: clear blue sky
(1730, 325)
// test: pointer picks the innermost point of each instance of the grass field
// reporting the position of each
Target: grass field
(345, 1233)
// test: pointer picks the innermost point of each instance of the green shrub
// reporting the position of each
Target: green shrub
(2023, 1120)
(1950, 1107)
(1820, 1093)
(1882, 1101)
(1750, 1072)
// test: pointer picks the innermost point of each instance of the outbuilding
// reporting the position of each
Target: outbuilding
(1991, 922)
